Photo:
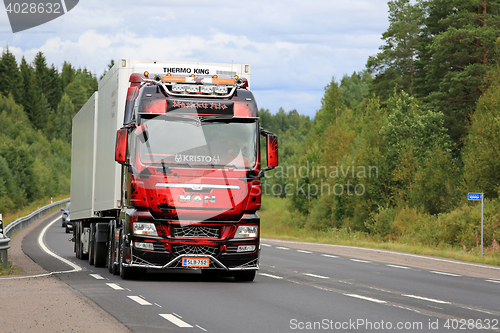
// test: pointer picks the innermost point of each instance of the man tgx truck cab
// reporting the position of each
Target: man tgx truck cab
(190, 172)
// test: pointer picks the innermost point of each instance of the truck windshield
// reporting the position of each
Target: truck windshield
(190, 141)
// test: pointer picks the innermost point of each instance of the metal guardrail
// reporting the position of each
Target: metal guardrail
(21, 223)
(25, 221)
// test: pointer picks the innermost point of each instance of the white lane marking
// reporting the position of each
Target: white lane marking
(329, 256)
(41, 243)
(409, 309)
(271, 276)
(427, 299)
(303, 251)
(114, 286)
(201, 328)
(381, 251)
(443, 273)
(158, 305)
(173, 319)
(266, 245)
(495, 281)
(317, 276)
(97, 276)
(282, 248)
(175, 314)
(396, 266)
(363, 261)
(366, 298)
(139, 300)
(477, 310)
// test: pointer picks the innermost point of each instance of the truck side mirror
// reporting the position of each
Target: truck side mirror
(272, 150)
(121, 145)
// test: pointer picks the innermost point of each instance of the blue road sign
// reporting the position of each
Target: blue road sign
(474, 196)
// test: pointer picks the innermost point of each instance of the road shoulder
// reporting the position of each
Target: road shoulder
(34, 300)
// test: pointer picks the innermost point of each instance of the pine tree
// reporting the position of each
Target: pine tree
(10, 76)
(67, 75)
(32, 96)
(395, 65)
(461, 56)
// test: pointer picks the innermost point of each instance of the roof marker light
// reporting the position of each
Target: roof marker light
(146, 74)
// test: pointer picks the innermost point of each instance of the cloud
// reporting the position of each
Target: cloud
(294, 47)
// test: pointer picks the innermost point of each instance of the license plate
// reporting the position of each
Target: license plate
(195, 262)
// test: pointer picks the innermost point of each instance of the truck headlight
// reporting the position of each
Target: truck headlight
(247, 231)
(144, 229)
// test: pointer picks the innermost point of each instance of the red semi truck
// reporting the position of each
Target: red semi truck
(166, 170)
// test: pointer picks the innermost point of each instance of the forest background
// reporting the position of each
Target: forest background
(389, 158)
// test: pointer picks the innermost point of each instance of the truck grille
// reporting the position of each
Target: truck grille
(205, 250)
(196, 231)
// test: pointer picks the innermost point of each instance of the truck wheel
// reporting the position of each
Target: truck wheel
(244, 276)
(126, 273)
(91, 244)
(100, 254)
(111, 252)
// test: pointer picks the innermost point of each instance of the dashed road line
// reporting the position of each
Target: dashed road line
(495, 281)
(174, 320)
(139, 300)
(282, 248)
(366, 298)
(114, 286)
(363, 261)
(97, 276)
(443, 273)
(329, 256)
(266, 245)
(201, 328)
(158, 305)
(317, 276)
(304, 251)
(271, 276)
(483, 311)
(427, 299)
(397, 266)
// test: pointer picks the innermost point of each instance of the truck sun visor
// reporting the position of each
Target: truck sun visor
(200, 107)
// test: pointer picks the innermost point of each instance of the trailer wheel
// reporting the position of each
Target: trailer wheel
(244, 276)
(77, 240)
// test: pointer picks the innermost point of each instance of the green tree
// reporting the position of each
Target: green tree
(460, 58)
(355, 87)
(482, 145)
(11, 81)
(394, 66)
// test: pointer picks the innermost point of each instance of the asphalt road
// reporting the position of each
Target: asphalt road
(295, 290)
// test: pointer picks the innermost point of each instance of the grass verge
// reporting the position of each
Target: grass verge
(275, 215)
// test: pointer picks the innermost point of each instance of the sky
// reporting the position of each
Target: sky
(295, 47)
